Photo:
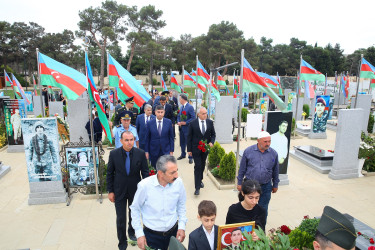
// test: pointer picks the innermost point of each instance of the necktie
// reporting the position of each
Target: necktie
(127, 163)
(147, 119)
(159, 128)
(203, 128)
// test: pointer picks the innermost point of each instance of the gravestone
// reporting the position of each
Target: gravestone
(298, 110)
(37, 106)
(312, 106)
(235, 108)
(286, 94)
(78, 116)
(56, 108)
(303, 129)
(363, 102)
(343, 100)
(3, 170)
(349, 127)
(223, 123)
(319, 159)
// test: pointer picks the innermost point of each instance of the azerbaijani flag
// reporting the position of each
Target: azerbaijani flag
(309, 90)
(14, 86)
(236, 84)
(220, 80)
(128, 85)
(325, 86)
(372, 83)
(367, 70)
(163, 83)
(94, 97)
(8, 82)
(200, 86)
(188, 79)
(308, 73)
(34, 84)
(53, 73)
(21, 92)
(343, 86)
(346, 89)
(203, 76)
(215, 90)
(271, 82)
(174, 83)
(253, 83)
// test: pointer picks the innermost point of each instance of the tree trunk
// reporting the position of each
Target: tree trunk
(131, 56)
(102, 65)
(225, 69)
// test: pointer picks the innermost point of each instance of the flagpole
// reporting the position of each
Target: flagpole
(325, 87)
(40, 87)
(209, 96)
(183, 75)
(359, 77)
(239, 119)
(334, 87)
(109, 92)
(92, 133)
(196, 89)
(298, 86)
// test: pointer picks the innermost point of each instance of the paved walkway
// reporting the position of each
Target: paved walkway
(87, 224)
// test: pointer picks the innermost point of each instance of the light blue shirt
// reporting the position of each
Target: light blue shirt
(117, 131)
(159, 207)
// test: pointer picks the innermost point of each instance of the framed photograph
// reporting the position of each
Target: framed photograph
(14, 111)
(321, 113)
(80, 165)
(41, 142)
(231, 236)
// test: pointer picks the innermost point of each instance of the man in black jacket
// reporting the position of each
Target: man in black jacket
(126, 166)
(200, 129)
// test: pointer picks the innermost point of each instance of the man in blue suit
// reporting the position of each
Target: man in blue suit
(184, 117)
(141, 124)
(159, 137)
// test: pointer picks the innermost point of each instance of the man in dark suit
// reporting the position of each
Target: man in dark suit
(141, 124)
(167, 108)
(200, 129)
(126, 166)
(159, 137)
(184, 117)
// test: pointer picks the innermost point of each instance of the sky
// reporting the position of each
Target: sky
(348, 23)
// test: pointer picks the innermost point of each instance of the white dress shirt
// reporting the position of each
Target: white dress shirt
(200, 125)
(210, 236)
(149, 118)
(159, 207)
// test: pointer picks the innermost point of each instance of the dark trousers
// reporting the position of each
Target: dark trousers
(183, 140)
(121, 206)
(154, 158)
(199, 165)
(265, 197)
(156, 241)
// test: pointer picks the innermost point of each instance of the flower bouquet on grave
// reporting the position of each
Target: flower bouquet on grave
(203, 146)
(151, 170)
(370, 240)
(183, 116)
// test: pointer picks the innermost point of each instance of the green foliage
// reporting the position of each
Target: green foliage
(215, 171)
(367, 152)
(106, 142)
(65, 110)
(306, 109)
(293, 124)
(227, 170)
(301, 239)
(113, 118)
(215, 154)
(278, 241)
(370, 125)
(244, 112)
(309, 226)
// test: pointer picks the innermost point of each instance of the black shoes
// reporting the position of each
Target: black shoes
(202, 185)
(181, 157)
(190, 160)
(196, 192)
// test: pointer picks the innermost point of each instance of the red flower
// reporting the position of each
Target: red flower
(371, 248)
(285, 229)
(184, 112)
(371, 241)
(200, 142)
(218, 166)
(305, 217)
(359, 233)
(203, 150)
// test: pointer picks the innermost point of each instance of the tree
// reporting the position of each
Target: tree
(265, 56)
(104, 24)
(144, 25)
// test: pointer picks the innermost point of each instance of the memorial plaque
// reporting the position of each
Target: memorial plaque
(14, 111)
(316, 152)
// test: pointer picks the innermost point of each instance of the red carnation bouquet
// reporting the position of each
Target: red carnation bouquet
(183, 115)
(151, 170)
(203, 146)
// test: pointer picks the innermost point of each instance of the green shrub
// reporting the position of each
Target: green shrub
(215, 171)
(306, 109)
(227, 170)
(293, 124)
(215, 154)
(106, 142)
(309, 226)
(300, 239)
(370, 125)
(244, 112)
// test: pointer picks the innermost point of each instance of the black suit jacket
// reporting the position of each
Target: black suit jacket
(198, 239)
(195, 135)
(118, 181)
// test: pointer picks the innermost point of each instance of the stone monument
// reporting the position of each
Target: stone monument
(298, 110)
(3, 170)
(56, 108)
(286, 94)
(349, 128)
(223, 123)
(78, 116)
(363, 102)
(37, 106)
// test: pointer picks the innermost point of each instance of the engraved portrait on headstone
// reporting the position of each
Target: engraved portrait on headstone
(321, 114)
